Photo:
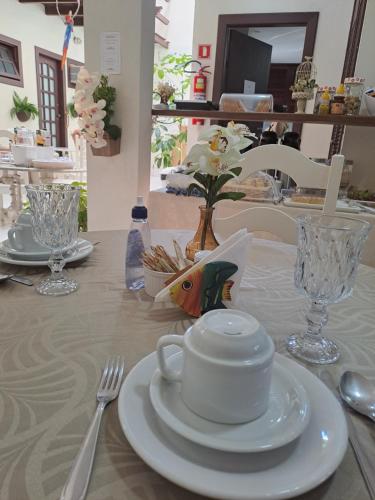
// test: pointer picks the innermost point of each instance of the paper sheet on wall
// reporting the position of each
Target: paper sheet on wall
(110, 53)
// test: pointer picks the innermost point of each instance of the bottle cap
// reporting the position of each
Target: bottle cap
(139, 211)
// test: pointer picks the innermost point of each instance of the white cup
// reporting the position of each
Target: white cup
(20, 236)
(227, 366)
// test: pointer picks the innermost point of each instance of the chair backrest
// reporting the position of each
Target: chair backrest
(305, 172)
(265, 219)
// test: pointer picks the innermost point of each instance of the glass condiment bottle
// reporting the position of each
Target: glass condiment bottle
(354, 90)
(324, 103)
(39, 139)
(338, 103)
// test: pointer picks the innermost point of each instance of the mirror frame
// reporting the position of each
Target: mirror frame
(309, 20)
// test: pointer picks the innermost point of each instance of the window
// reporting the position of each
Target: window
(10, 61)
(73, 69)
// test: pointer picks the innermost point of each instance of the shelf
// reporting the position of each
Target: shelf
(356, 121)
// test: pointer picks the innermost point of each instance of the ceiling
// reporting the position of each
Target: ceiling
(287, 42)
(65, 6)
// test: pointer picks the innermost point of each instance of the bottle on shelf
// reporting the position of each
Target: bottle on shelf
(338, 103)
(139, 240)
(324, 103)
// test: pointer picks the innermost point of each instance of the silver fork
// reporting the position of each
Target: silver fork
(76, 486)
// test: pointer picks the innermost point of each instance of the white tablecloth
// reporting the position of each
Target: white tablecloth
(52, 351)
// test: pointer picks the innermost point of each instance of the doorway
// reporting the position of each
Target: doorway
(285, 34)
(51, 95)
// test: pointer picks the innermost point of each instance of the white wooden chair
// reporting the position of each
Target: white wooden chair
(305, 172)
(259, 219)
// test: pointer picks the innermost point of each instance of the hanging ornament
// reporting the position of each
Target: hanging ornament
(69, 23)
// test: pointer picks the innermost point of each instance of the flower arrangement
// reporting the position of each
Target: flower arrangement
(304, 83)
(166, 91)
(106, 92)
(305, 87)
(212, 163)
(90, 113)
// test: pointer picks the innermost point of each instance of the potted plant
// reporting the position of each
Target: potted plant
(165, 91)
(112, 133)
(23, 109)
(167, 146)
(213, 162)
(169, 137)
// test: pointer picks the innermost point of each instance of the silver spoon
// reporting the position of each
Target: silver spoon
(359, 393)
(17, 279)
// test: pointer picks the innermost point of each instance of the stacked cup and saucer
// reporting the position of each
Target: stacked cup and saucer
(22, 249)
(218, 412)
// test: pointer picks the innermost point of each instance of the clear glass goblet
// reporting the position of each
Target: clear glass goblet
(54, 215)
(328, 254)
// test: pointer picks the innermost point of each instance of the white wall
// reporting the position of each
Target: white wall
(29, 24)
(330, 45)
(359, 142)
(179, 31)
(114, 183)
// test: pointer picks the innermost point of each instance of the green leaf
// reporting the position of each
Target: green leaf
(219, 183)
(201, 178)
(198, 188)
(236, 170)
(229, 196)
(161, 74)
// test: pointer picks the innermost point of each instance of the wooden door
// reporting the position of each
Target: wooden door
(51, 96)
(281, 78)
(247, 59)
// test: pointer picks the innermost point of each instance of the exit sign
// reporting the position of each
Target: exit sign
(204, 51)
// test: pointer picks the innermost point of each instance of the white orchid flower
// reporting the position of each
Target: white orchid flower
(223, 139)
(201, 158)
(90, 113)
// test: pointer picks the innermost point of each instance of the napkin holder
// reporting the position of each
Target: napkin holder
(213, 282)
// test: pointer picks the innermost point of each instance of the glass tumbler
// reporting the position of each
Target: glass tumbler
(328, 254)
(54, 215)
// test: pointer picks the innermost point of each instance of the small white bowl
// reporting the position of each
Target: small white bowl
(155, 281)
(370, 104)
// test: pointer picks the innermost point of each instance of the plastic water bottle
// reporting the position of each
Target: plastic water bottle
(139, 240)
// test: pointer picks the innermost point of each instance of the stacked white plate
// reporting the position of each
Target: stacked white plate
(297, 444)
(8, 255)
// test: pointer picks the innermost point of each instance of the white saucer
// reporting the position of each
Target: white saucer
(286, 418)
(42, 254)
(82, 250)
(282, 473)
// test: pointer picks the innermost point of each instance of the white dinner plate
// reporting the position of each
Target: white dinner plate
(286, 418)
(82, 250)
(282, 473)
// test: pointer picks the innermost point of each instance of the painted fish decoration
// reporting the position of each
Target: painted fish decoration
(205, 288)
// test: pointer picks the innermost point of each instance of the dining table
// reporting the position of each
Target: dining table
(53, 349)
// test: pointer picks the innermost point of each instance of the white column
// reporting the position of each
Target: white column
(114, 182)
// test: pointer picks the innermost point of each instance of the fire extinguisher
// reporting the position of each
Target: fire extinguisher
(199, 80)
